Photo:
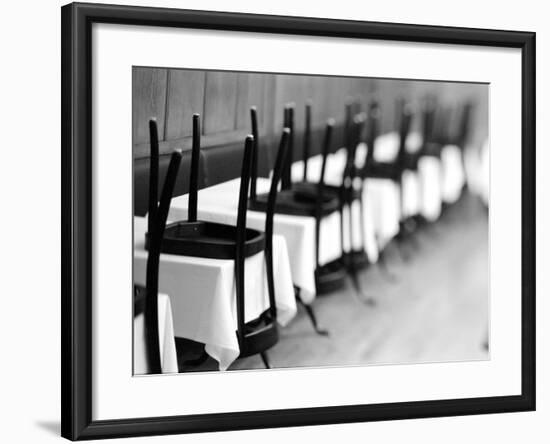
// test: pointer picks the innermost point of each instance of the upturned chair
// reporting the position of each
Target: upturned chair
(328, 277)
(348, 192)
(146, 298)
(219, 241)
(195, 237)
(392, 170)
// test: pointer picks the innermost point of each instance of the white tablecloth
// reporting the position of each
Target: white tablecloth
(219, 204)
(476, 162)
(168, 357)
(423, 191)
(430, 179)
(382, 197)
(453, 176)
(381, 211)
(202, 293)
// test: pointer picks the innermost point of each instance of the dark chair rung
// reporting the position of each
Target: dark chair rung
(209, 240)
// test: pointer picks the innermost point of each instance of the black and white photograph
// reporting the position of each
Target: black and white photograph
(284, 220)
(277, 221)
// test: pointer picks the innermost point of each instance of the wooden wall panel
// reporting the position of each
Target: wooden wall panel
(224, 98)
(317, 92)
(478, 95)
(387, 93)
(250, 92)
(290, 88)
(185, 97)
(148, 100)
(360, 90)
(220, 102)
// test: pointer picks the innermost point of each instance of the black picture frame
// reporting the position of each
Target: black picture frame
(76, 229)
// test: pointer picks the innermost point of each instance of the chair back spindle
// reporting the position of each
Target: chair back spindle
(241, 236)
(152, 274)
(194, 175)
(405, 118)
(373, 124)
(321, 188)
(153, 174)
(289, 123)
(254, 173)
(348, 122)
(282, 152)
(307, 139)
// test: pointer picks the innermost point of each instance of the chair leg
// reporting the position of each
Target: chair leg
(310, 314)
(265, 360)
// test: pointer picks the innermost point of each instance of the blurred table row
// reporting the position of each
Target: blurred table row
(202, 291)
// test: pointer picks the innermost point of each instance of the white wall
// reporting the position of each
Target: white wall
(30, 218)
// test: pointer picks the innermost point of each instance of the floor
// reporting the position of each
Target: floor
(432, 308)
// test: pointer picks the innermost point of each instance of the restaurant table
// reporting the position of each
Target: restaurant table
(219, 204)
(168, 357)
(202, 293)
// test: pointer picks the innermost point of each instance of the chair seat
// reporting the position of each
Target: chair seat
(295, 204)
(384, 170)
(309, 190)
(260, 335)
(208, 239)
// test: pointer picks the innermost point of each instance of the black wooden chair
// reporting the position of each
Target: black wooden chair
(392, 170)
(258, 335)
(404, 160)
(194, 237)
(146, 298)
(314, 198)
(351, 191)
(430, 148)
(347, 192)
(328, 277)
(219, 241)
(254, 197)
